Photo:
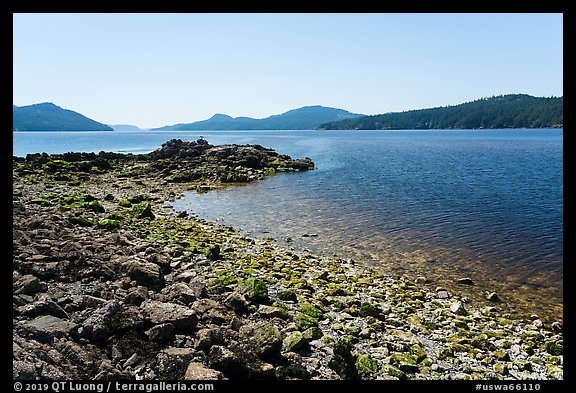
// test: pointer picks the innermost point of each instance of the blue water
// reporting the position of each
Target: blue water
(459, 202)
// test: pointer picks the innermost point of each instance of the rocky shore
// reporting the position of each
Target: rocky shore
(110, 284)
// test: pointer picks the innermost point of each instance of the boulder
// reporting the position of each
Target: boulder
(197, 371)
(96, 328)
(157, 313)
(145, 273)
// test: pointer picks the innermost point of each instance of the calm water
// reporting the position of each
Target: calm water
(484, 204)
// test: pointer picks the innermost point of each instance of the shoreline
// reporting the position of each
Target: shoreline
(99, 263)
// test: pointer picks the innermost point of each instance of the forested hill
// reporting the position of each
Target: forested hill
(306, 118)
(507, 111)
(50, 117)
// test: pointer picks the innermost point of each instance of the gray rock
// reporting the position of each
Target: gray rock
(49, 323)
(237, 302)
(197, 371)
(145, 273)
(44, 306)
(198, 288)
(97, 326)
(29, 285)
(171, 363)
(183, 318)
(178, 292)
(207, 337)
(269, 312)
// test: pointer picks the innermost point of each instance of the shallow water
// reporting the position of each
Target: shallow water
(487, 204)
(444, 204)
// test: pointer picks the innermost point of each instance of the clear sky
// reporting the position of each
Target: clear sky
(152, 70)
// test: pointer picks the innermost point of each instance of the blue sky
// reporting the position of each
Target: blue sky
(160, 69)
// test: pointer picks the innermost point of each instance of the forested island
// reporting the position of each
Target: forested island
(49, 117)
(305, 118)
(505, 111)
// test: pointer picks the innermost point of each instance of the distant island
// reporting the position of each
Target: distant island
(306, 118)
(124, 127)
(49, 117)
(505, 111)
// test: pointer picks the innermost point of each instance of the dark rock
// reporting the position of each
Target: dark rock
(171, 363)
(213, 253)
(289, 296)
(143, 210)
(29, 285)
(343, 361)
(97, 327)
(23, 370)
(145, 273)
(207, 337)
(129, 318)
(136, 296)
(51, 324)
(44, 306)
(198, 288)
(178, 292)
(161, 333)
(295, 342)
(492, 296)
(237, 302)
(465, 281)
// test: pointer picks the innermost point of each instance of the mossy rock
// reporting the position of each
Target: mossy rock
(366, 366)
(223, 281)
(304, 321)
(143, 210)
(492, 297)
(41, 202)
(256, 289)
(554, 347)
(292, 371)
(57, 165)
(311, 310)
(124, 203)
(295, 341)
(481, 342)
(287, 296)
(395, 372)
(94, 206)
(305, 286)
(343, 362)
(372, 310)
(501, 355)
(313, 333)
(108, 224)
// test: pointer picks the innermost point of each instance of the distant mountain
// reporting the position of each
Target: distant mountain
(124, 127)
(50, 117)
(506, 111)
(306, 118)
